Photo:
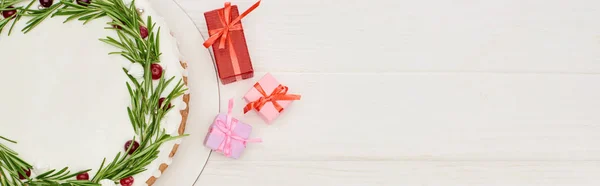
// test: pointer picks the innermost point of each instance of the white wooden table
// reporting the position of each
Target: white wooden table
(436, 93)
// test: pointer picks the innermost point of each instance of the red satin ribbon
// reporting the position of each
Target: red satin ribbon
(279, 94)
(228, 25)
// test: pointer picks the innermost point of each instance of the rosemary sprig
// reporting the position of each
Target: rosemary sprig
(5, 6)
(39, 16)
(11, 166)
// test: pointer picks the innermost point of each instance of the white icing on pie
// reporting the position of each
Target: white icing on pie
(106, 182)
(64, 98)
(182, 105)
(157, 173)
(39, 168)
(136, 70)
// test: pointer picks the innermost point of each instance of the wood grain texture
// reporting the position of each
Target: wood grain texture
(399, 92)
(385, 173)
(343, 36)
(430, 116)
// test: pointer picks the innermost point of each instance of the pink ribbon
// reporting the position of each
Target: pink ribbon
(225, 128)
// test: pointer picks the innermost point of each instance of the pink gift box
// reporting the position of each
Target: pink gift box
(215, 139)
(275, 92)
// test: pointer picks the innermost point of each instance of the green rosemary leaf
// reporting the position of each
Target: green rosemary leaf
(129, 89)
(111, 41)
(115, 160)
(15, 19)
(45, 174)
(14, 168)
(3, 23)
(95, 16)
(59, 172)
(117, 53)
(7, 3)
(98, 174)
(66, 10)
(8, 150)
(18, 161)
(133, 121)
(87, 18)
(126, 43)
(6, 139)
(4, 178)
(157, 45)
(74, 16)
(128, 57)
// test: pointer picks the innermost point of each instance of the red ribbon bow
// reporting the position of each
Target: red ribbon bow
(228, 25)
(279, 94)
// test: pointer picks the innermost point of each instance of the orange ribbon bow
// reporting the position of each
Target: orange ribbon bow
(228, 25)
(279, 94)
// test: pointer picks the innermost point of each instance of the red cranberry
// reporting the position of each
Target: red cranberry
(143, 32)
(9, 13)
(126, 181)
(157, 71)
(84, 2)
(83, 176)
(134, 147)
(27, 172)
(46, 3)
(160, 103)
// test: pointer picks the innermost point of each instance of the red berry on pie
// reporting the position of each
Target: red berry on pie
(27, 172)
(143, 32)
(46, 3)
(126, 181)
(9, 13)
(160, 103)
(156, 70)
(83, 176)
(134, 146)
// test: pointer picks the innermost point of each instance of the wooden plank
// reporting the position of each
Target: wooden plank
(429, 116)
(385, 173)
(401, 92)
(403, 35)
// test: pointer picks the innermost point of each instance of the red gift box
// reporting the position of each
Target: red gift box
(229, 44)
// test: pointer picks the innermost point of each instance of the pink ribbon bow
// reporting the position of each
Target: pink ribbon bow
(226, 129)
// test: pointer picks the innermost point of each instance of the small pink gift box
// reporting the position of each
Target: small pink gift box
(269, 98)
(228, 135)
